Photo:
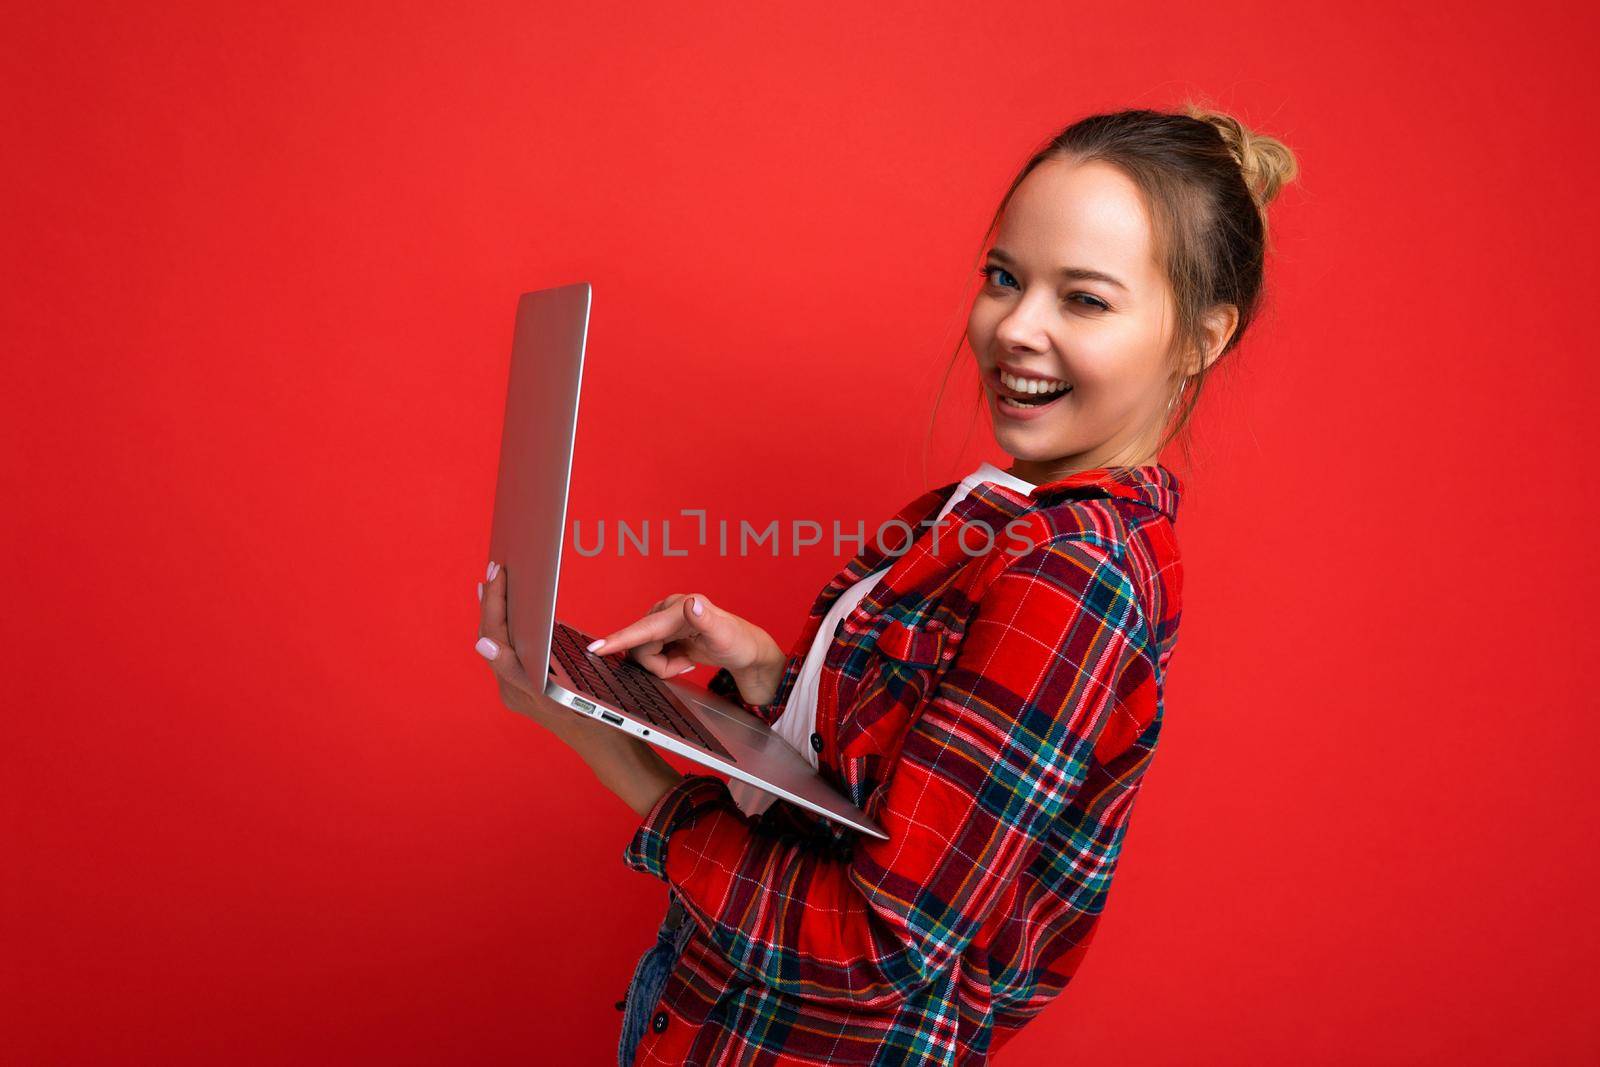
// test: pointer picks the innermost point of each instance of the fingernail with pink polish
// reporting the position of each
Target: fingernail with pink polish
(487, 648)
(595, 644)
(694, 606)
(480, 592)
(687, 669)
(494, 569)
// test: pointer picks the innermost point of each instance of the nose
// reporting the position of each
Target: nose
(1022, 327)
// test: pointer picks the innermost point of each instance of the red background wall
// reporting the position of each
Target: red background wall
(261, 804)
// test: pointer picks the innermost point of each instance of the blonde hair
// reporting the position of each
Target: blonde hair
(1265, 163)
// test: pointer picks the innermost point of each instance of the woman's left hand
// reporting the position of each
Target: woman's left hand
(625, 765)
(517, 690)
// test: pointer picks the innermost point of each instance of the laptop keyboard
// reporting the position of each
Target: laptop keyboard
(627, 685)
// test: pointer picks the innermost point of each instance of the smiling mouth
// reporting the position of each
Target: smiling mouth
(1034, 400)
(1026, 393)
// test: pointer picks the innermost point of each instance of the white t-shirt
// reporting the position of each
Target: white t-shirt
(798, 719)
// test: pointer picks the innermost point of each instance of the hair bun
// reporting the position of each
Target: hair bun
(1266, 162)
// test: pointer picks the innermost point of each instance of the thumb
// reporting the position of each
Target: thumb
(710, 622)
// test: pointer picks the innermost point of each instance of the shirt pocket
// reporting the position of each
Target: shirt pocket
(914, 646)
(905, 669)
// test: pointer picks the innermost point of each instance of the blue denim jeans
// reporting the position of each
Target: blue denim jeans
(650, 979)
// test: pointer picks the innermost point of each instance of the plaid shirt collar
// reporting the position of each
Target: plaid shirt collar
(1152, 485)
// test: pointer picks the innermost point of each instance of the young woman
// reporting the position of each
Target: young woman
(993, 699)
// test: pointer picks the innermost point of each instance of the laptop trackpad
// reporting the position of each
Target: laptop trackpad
(726, 718)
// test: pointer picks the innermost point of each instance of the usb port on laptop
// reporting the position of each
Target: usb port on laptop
(615, 720)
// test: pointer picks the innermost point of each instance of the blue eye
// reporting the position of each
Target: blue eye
(1087, 300)
(989, 272)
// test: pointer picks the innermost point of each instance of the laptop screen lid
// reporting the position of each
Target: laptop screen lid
(530, 497)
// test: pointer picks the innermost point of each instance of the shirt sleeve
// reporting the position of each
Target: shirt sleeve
(999, 750)
(722, 684)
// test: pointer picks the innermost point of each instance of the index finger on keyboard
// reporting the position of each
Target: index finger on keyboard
(660, 625)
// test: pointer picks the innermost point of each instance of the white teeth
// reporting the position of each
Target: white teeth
(1032, 385)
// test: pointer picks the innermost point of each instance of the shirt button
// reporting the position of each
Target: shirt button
(816, 742)
(659, 1023)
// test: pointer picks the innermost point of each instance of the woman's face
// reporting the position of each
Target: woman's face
(1074, 304)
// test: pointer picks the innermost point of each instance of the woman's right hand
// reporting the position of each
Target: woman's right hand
(685, 629)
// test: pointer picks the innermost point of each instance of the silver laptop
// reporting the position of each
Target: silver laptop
(530, 517)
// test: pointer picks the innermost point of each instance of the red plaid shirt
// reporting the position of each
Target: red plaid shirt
(995, 712)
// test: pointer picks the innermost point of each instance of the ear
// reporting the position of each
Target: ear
(1217, 326)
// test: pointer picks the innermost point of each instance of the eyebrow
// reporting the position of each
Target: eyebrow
(1075, 274)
